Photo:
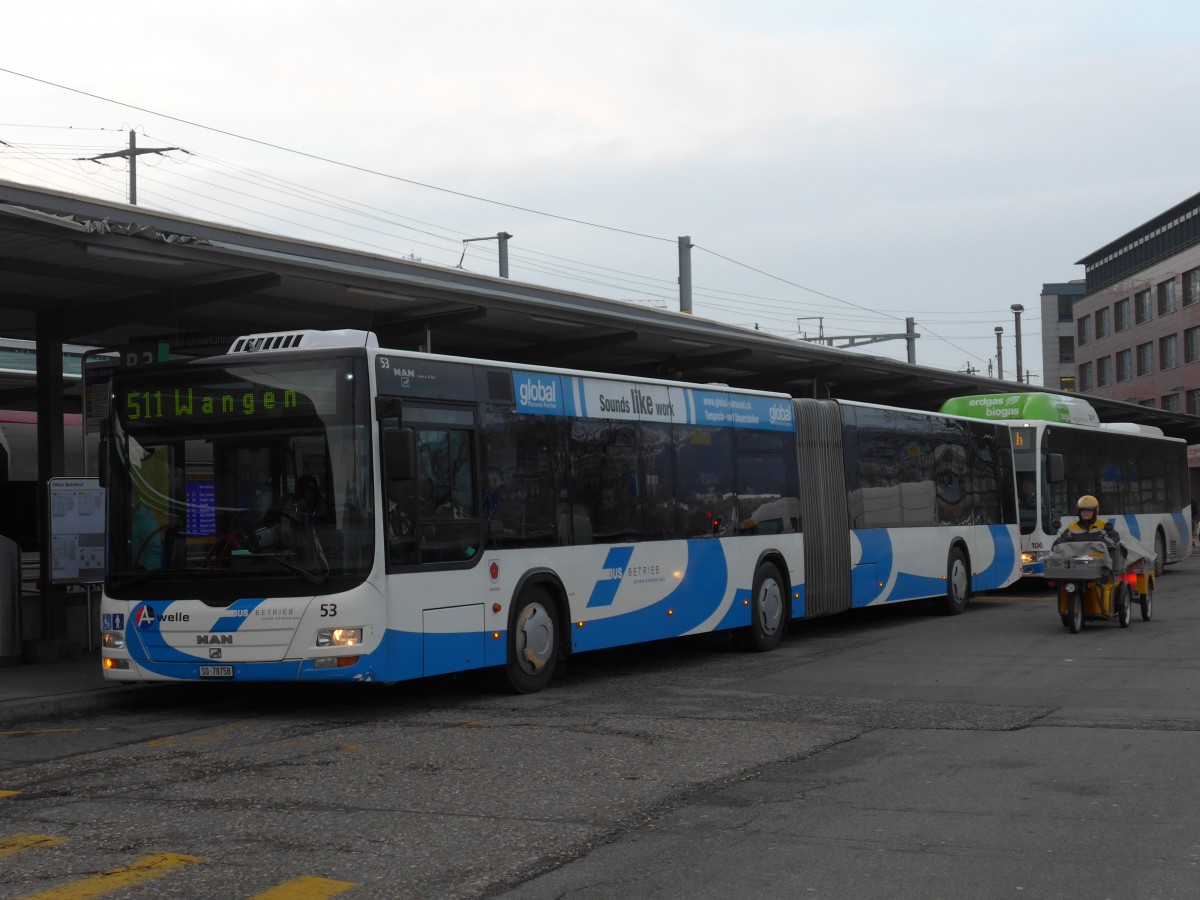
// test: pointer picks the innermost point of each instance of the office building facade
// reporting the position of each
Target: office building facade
(1135, 330)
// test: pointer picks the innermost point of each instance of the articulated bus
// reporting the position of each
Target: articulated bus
(1062, 451)
(312, 507)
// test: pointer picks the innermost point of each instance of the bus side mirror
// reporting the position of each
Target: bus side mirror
(400, 454)
(1056, 472)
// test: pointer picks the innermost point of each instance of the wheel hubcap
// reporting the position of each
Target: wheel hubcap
(770, 606)
(534, 634)
(958, 579)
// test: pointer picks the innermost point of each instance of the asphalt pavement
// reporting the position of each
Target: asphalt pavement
(41, 690)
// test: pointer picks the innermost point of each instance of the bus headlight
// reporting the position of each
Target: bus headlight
(113, 640)
(339, 637)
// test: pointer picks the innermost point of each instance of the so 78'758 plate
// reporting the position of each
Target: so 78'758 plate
(216, 671)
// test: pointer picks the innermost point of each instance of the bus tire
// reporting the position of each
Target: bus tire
(1160, 553)
(1147, 604)
(533, 638)
(768, 610)
(958, 584)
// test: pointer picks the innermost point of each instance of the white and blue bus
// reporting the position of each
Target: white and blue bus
(1062, 451)
(312, 507)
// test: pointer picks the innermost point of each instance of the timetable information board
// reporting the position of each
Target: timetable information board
(76, 530)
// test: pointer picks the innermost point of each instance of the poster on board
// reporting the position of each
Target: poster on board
(76, 531)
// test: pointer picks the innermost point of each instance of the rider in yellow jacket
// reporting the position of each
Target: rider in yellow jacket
(1089, 526)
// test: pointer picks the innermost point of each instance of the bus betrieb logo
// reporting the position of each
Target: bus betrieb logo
(144, 617)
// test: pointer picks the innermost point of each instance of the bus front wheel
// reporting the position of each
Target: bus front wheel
(532, 642)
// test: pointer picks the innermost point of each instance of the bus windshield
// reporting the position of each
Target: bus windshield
(259, 473)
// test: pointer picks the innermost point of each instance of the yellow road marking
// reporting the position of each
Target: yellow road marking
(4, 794)
(40, 731)
(18, 842)
(202, 739)
(307, 888)
(145, 869)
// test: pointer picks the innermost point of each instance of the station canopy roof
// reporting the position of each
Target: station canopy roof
(108, 275)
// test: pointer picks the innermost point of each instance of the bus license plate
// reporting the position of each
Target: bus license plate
(216, 671)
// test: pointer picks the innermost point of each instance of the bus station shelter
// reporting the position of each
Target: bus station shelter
(146, 285)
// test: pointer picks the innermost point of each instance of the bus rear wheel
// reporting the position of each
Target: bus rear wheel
(1160, 553)
(958, 584)
(768, 610)
(532, 642)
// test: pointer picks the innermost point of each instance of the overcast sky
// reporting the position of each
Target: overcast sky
(856, 161)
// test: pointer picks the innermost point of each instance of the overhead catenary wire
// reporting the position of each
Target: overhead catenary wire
(646, 287)
(334, 162)
(581, 271)
(765, 311)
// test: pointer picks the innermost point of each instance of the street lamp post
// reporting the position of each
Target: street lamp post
(1017, 309)
(999, 353)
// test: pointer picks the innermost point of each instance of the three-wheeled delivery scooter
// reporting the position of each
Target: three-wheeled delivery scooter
(1097, 580)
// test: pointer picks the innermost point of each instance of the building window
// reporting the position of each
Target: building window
(1191, 344)
(1121, 314)
(1065, 309)
(1066, 350)
(1145, 359)
(1067, 383)
(1150, 403)
(1191, 287)
(1193, 403)
(1124, 365)
(1170, 403)
(1084, 325)
(1104, 371)
(1085, 376)
(1103, 323)
(1142, 312)
(1166, 297)
(1168, 352)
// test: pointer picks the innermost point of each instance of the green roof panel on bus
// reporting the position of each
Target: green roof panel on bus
(1023, 407)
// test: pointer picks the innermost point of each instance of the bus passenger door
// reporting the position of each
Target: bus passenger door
(429, 489)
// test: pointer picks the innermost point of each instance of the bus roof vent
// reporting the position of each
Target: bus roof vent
(303, 340)
(1133, 428)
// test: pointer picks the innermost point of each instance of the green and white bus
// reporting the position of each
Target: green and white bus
(1061, 451)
